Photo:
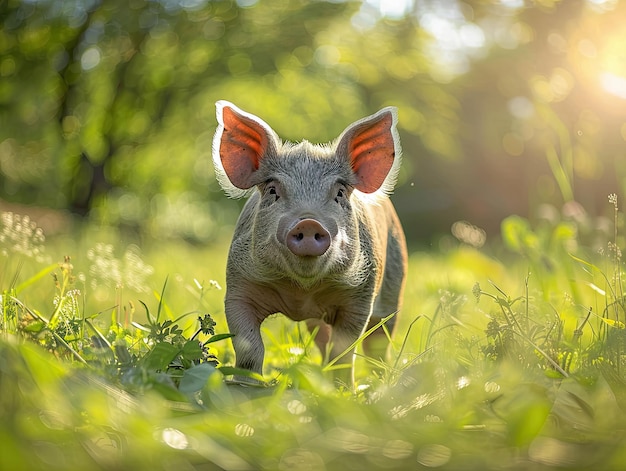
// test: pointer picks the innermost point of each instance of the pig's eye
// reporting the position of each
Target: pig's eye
(340, 194)
(272, 191)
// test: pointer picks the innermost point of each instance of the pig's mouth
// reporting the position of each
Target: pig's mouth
(306, 270)
(307, 266)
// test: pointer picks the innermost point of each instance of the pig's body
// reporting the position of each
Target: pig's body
(308, 243)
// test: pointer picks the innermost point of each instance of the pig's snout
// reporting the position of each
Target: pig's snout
(308, 238)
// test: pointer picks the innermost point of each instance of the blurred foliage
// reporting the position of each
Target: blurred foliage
(107, 107)
(492, 367)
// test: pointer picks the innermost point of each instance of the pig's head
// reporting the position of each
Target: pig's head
(304, 215)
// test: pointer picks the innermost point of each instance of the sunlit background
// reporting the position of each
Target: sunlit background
(506, 107)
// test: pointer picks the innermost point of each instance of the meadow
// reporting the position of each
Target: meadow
(509, 352)
(115, 355)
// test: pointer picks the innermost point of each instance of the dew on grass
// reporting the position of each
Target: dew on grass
(301, 459)
(174, 438)
(296, 350)
(491, 387)
(462, 382)
(54, 420)
(296, 407)
(130, 271)
(421, 401)
(397, 449)
(431, 418)
(344, 439)
(469, 234)
(50, 454)
(244, 430)
(434, 456)
(20, 235)
(553, 452)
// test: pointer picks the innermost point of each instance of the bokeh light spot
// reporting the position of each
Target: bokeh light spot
(90, 58)
(174, 438)
(434, 456)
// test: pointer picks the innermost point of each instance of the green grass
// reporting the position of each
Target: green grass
(507, 357)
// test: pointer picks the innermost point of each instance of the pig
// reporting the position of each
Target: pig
(318, 239)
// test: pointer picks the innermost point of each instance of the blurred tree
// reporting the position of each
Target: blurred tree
(107, 108)
(542, 126)
(109, 105)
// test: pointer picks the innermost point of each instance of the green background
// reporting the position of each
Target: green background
(107, 107)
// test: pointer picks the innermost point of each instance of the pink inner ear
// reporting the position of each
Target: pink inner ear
(372, 152)
(243, 143)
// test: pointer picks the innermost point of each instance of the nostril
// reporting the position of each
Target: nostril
(308, 238)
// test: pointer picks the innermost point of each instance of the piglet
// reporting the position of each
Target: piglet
(318, 239)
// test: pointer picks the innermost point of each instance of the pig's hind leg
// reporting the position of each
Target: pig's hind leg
(389, 300)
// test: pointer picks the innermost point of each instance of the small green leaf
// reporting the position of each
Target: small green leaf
(195, 378)
(612, 323)
(122, 354)
(564, 231)
(35, 278)
(35, 326)
(192, 350)
(229, 370)
(218, 337)
(517, 235)
(137, 325)
(160, 356)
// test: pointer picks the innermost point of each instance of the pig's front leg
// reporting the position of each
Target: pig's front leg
(346, 330)
(244, 323)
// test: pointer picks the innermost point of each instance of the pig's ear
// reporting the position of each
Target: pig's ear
(373, 148)
(241, 141)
